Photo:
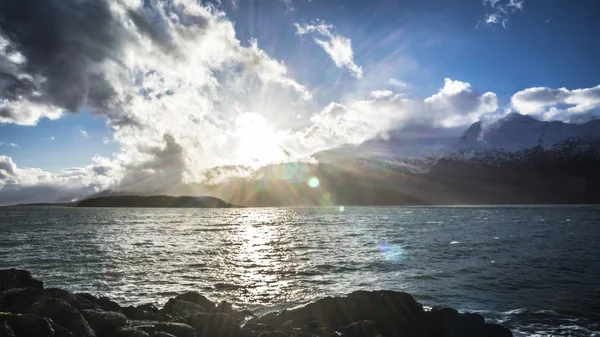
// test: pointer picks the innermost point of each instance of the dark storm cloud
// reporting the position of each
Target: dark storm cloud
(62, 42)
(152, 30)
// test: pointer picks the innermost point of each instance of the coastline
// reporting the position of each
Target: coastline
(27, 309)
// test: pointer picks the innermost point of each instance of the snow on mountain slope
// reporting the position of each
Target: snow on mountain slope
(517, 132)
(402, 150)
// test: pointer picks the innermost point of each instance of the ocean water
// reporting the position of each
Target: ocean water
(534, 269)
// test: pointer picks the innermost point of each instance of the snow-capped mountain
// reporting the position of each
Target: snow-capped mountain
(409, 150)
(517, 132)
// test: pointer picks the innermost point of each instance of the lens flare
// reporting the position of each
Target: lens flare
(313, 182)
(342, 208)
(392, 253)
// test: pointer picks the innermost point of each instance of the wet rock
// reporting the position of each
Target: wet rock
(107, 304)
(59, 330)
(64, 314)
(148, 307)
(160, 334)
(181, 309)
(393, 313)
(104, 323)
(246, 332)
(77, 301)
(137, 313)
(361, 329)
(176, 329)
(450, 323)
(5, 330)
(273, 334)
(328, 332)
(28, 325)
(16, 278)
(261, 327)
(496, 330)
(87, 296)
(214, 324)
(196, 298)
(223, 307)
(19, 300)
(131, 332)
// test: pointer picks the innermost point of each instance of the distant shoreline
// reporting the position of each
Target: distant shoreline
(136, 201)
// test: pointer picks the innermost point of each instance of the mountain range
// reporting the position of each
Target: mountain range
(515, 160)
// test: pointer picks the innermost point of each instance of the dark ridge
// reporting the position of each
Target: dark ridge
(157, 201)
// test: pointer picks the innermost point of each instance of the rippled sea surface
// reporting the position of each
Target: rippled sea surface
(534, 269)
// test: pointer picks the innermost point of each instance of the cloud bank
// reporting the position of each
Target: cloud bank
(558, 104)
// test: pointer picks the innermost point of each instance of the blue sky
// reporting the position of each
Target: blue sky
(261, 78)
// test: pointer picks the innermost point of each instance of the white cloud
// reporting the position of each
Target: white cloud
(9, 144)
(381, 94)
(498, 12)
(454, 105)
(558, 104)
(105, 140)
(398, 83)
(52, 138)
(84, 133)
(338, 47)
(24, 185)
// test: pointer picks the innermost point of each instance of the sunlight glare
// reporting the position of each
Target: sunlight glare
(257, 140)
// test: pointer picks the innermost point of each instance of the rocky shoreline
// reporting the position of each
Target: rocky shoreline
(27, 309)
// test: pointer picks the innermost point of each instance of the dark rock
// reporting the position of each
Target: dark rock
(77, 301)
(273, 334)
(496, 330)
(312, 325)
(361, 329)
(214, 324)
(19, 300)
(246, 332)
(28, 325)
(224, 307)
(104, 323)
(107, 304)
(59, 330)
(5, 330)
(393, 313)
(16, 278)
(328, 332)
(131, 332)
(253, 325)
(87, 296)
(196, 298)
(137, 313)
(450, 323)
(176, 329)
(64, 314)
(148, 307)
(160, 334)
(181, 309)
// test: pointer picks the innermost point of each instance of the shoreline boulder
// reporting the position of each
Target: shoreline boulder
(29, 310)
(17, 278)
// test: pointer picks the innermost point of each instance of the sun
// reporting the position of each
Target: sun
(257, 140)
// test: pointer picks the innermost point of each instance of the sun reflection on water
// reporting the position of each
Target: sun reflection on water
(258, 263)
